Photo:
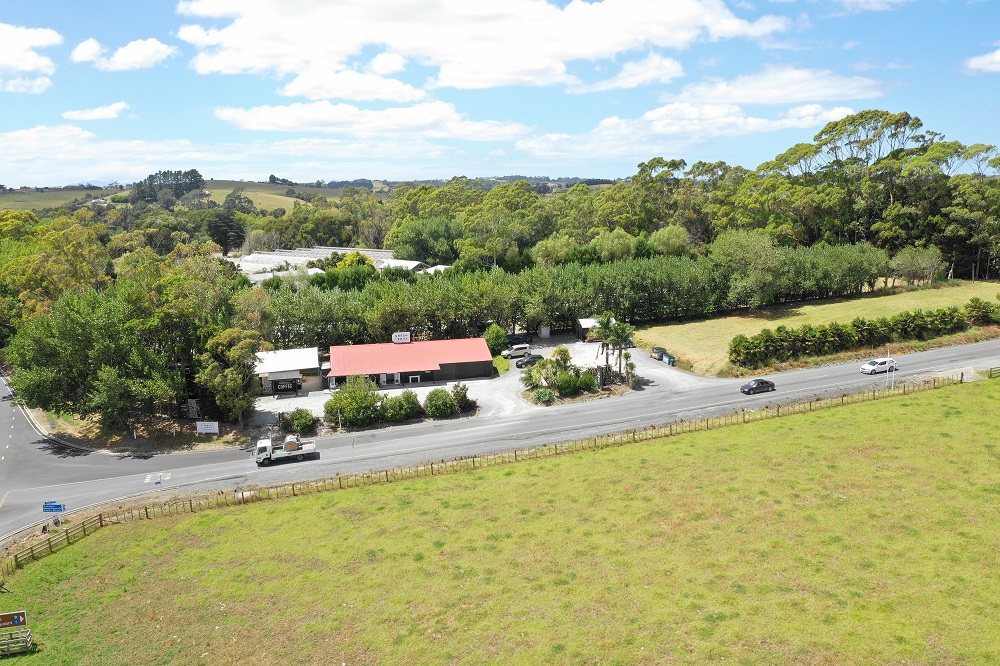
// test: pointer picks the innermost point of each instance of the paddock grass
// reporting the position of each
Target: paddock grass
(28, 200)
(860, 535)
(702, 346)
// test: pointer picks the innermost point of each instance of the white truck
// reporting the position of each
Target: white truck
(292, 447)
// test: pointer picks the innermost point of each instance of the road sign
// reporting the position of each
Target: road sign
(15, 619)
(204, 427)
(53, 508)
(157, 477)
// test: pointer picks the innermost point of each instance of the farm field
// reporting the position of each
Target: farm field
(799, 540)
(264, 195)
(704, 344)
(17, 200)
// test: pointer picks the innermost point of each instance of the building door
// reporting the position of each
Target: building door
(381, 379)
(396, 378)
(414, 379)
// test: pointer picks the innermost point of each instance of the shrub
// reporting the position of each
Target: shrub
(440, 404)
(460, 394)
(544, 396)
(567, 383)
(401, 407)
(587, 381)
(980, 312)
(496, 339)
(356, 404)
(302, 421)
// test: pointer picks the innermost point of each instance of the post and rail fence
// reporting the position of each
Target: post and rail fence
(58, 539)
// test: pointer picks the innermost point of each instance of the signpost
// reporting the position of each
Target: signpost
(51, 506)
(207, 427)
(15, 637)
(157, 478)
(15, 619)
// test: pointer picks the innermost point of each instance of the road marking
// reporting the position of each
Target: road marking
(4, 498)
(157, 477)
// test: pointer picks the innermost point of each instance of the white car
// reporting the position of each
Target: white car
(516, 350)
(877, 365)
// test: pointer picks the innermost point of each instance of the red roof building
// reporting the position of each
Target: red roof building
(413, 362)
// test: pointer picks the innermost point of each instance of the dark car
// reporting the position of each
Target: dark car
(528, 360)
(517, 339)
(757, 386)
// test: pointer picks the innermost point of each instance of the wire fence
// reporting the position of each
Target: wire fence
(43, 545)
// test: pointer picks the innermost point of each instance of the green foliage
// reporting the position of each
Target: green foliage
(784, 344)
(227, 370)
(544, 396)
(587, 381)
(302, 421)
(980, 312)
(431, 240)
(460, 394)
(440, 404)
(401, 407)
(356, 404)
(496, 339)
(567, 383)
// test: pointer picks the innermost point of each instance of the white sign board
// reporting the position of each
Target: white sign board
(401, 336)
(208, 427)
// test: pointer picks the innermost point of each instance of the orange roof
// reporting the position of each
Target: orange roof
(346, 360)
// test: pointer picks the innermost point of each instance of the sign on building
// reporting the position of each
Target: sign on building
(208, 427)
(400, 337)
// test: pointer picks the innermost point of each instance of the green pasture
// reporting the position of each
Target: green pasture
(264, 195)
(860, 535)
(703, 345)
(18, 200)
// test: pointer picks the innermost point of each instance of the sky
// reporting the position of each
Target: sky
(108, 90)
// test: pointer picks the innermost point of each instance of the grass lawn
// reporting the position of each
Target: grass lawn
(801, 540)
(701, 346)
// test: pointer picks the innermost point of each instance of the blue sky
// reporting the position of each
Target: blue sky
(412, 89)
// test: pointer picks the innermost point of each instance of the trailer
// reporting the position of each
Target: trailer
(292, 448)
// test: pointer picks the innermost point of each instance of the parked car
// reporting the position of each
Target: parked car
(515, 351)
(877, 365)
(517, 339)
(525, 361)
(757, 386)
(657, 353)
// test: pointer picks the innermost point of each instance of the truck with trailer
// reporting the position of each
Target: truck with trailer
(292, 448)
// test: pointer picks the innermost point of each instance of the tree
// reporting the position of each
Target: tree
(917, 264)
(227, 371)
(237, 202)
(431, 240)
(440, 404)
(496, 339)
(356, 404)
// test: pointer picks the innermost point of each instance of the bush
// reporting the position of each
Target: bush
(460, 394)
(587, 381)
(401, 407)
(496, 339)
(302, 421)
(356, 404)
(440, 404)
(544, 396)
(567, 383)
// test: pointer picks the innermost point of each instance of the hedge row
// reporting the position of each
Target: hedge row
(784, 344)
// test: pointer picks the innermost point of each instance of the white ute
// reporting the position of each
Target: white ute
(292, 447)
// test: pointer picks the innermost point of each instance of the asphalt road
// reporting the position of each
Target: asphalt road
(34, 470)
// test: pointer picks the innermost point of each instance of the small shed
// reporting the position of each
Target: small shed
(289, 370)
(583, 326)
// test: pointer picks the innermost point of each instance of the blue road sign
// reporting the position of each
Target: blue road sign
(53, 508)
(48, 502)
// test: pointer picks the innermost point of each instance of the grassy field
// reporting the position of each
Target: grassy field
(801, 540)
(702, 345)
(264, 195)
(17, 200)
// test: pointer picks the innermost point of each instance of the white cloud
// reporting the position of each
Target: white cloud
(870, 5)
(480, 44)
(387, 63)
(325, 84)
(653, 69)
(430, 119)
(782, 85)
(30, 86)
(108, 112)
(673, 128)
(988, 62)
(18, 49)
(69, 154)
(138, 54)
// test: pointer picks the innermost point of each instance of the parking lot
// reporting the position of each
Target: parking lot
(500, 396)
